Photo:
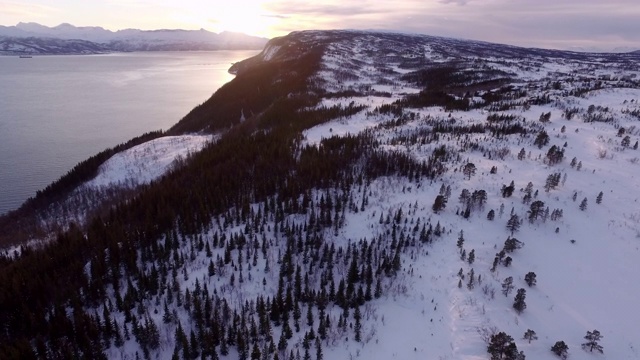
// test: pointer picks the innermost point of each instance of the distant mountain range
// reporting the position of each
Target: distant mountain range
(34, 39)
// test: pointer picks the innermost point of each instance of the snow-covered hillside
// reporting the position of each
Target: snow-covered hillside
(451, 176)
(585, 262)
(147, 162)
(585, 259)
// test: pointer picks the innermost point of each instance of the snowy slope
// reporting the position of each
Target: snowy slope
(147, 162)
(585, 285)
(585, 262)
(489, 112)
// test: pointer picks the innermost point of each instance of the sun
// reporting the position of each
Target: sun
(245, 16)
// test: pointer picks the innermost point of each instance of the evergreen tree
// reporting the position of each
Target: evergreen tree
(530, 335)
(460, 242)
(542, 139)
(319, 355)
(378, 291)
(555, 155)
(282, 343)
(357, 327)
(536, 210)
(255, 352)
(439, 204)
(518, 302)
(599, 198)
(507, 286)
(545, 117)
(626, 141)
(211, 269)
(491, 215)
(592, 338)
(471, 282)
(530, 278)
(469, 170)
(496, 260)
(501, 346)
(507, 261)
(561, 349)
(511, 245)
(513, 224)
(309, 315)
(583, 204)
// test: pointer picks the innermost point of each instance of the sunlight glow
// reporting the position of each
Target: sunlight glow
(246, 16)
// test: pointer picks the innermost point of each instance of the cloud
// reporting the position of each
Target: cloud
(275, 16)
(457, 2)
(10, 9)
(543, 23)
(290, 8)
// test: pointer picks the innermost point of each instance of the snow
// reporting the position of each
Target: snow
(583, 285)
(586, 262)
(269, 52)
(148, 161)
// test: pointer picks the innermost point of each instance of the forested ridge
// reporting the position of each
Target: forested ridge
(327, 196)
(50, 296)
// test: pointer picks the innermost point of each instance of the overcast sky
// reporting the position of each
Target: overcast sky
(560, 24)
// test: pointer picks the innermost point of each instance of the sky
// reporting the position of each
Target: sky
(603, 25)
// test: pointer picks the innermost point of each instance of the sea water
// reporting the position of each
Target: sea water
(56, 111)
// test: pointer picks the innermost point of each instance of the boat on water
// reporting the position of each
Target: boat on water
(25, 56)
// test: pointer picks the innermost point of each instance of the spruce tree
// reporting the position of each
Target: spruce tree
(460, 241)
(309, 315)
(255, 352)
(518, 301)
(357, 327)
(583, 204)
(471, 282)
(513, 224)
(319, 355)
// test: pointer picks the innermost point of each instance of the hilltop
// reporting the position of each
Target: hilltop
(352, 195)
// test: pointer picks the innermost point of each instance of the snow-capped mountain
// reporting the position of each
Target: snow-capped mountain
(33, 38)
(368, 195)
